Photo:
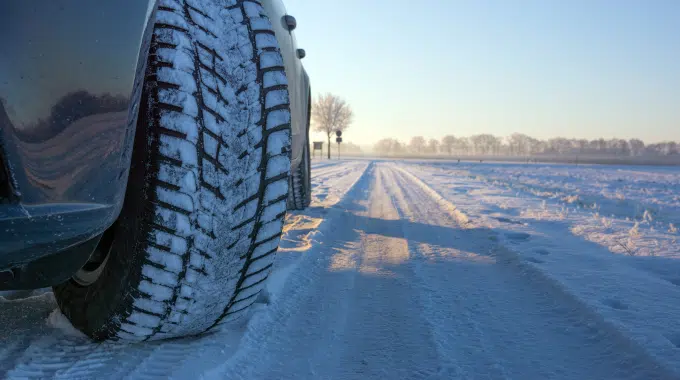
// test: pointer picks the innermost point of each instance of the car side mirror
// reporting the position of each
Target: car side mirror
(290, 21)
(301, 53)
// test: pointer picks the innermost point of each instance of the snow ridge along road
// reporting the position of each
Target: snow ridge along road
(397, 271)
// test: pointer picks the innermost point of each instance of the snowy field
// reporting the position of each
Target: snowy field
(427, 270)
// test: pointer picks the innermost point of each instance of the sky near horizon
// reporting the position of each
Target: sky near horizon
(575, 69)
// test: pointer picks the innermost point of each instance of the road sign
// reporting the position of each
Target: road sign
(318, 145)
(338, 133)
(338, 140)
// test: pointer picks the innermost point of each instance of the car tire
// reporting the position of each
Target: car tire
(301, 182)
(208, 184)
(301, 195)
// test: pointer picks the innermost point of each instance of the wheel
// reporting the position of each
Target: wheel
(300, 193)
(208, 183)
(301, 181)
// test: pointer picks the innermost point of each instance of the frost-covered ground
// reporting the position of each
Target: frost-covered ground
(428, 270)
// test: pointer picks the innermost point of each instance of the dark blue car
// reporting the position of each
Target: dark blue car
(149, 151)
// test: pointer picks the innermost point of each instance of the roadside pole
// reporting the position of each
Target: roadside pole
(338, 140)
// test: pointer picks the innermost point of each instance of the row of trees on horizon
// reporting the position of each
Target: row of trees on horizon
(522, 145)
(331, 113)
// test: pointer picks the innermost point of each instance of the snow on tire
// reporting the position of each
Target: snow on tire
(301, 177)
(300, 183)
(208, 185)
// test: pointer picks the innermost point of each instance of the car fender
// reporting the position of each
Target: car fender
(71, 75)
(298, 80)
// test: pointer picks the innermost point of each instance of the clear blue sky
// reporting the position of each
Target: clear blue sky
(572, 68)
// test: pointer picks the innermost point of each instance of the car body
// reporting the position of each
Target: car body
(70, 79)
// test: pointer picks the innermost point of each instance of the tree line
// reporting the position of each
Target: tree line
(519, 144)
(330, 113)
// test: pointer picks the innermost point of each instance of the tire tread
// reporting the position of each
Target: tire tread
(239, 173)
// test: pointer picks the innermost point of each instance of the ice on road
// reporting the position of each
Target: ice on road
(401, 270)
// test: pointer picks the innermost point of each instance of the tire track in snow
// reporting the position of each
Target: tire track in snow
(44, 353)
(332, 184)
(39, 351)
(269, 328)
(598, 345)
(30, 348)
(330, 169)
(345, 319)
(400, 290)
(415, 277)
(41, 360)
(319, 165)
(594, 287)
(336, 169)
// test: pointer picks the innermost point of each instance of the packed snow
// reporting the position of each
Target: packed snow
(427, 270)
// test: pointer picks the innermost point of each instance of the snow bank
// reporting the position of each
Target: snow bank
(616, 254)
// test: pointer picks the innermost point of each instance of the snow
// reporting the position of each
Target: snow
(277, 118)
(180, 200)
(276, 98)
(274, 78)
(620, 266)
(169, 262)
(179, 149)
(269, 59)
(432, 270)
(158, 292)
(266, 41)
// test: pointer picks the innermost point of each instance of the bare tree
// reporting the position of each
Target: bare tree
(351, 148)
(448, 143)
(560, 145)
(516, 144)
(383, 146)
(477, 144)
(618, 147)
(417, 144)
(398, 147)
(462, 145)
(485, 143)
(521, 144)
(669, 148)
(582, 145)
(496, 144)
(331, 113)
(637, 147)
(433, 146)
(599, 145)
(388, 147)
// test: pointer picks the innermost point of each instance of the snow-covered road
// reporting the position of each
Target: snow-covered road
(405, 271)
